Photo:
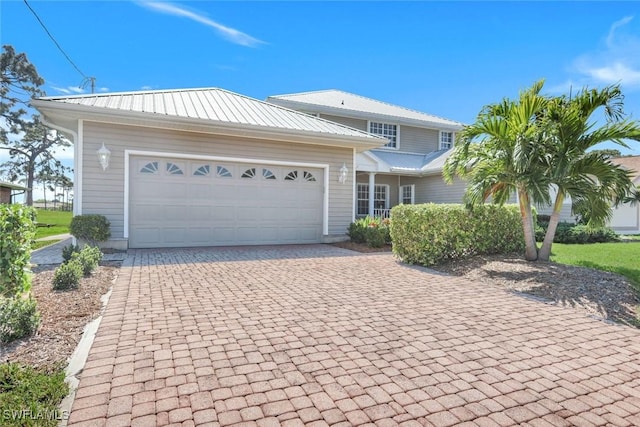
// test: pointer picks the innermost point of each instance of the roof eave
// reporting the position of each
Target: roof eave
(355, 114)
(134, 118)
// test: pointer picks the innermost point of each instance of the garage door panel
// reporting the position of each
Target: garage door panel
(200, 213)
(151, 213)
(210, 204)
(173, 235)
(199, 235)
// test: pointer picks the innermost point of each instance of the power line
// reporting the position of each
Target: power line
(44, 27)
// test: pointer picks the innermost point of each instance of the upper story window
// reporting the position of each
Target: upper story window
(446, 140)
(387, 130)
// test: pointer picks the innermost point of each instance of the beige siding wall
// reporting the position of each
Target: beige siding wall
(433, 189)
(412, 139)
(354, 123)
(418, 140)
(103, 191)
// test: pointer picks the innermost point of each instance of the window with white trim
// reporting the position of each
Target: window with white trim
(387, 130)
(446, 140)
(407, 194)
(380, 198)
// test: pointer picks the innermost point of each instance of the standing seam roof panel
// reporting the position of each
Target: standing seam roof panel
(216, 111)
(158, 102)
(147, 104)
(258, 115)
(231, 110)
(206, 106)
(170, 108)
(198, 108)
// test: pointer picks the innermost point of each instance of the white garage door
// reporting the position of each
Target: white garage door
(180, 203)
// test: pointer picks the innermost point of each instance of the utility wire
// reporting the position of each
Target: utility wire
(44, 27)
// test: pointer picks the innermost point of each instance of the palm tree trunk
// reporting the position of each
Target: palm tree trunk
(545, 250)
(531, 251)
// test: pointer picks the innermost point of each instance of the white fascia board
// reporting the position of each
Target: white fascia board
(363, 115)
(135, 118)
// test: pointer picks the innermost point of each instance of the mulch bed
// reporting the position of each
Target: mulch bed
(63, 317)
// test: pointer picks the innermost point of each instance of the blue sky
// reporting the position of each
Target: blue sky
(443, 58)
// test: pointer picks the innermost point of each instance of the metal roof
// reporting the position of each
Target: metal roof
(412, 162)
(212, 105)
(345, 102)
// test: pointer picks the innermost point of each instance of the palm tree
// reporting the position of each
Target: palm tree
(593, 183)
(500, 156)
(528, 146)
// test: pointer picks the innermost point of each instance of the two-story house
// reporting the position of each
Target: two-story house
(408, 169)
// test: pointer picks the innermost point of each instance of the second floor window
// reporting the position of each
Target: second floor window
(446, 140)
(388, 131)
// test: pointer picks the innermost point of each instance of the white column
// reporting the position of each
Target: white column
(372, 187)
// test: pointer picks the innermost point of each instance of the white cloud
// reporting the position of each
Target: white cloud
(231, 34)
(146, 87)
(69, 90)
(103, 89)
(612, 31)
(617, 61)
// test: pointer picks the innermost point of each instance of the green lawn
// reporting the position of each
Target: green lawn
(621, 258)
(59, 219)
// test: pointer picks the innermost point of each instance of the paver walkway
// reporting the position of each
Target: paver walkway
(316, 335)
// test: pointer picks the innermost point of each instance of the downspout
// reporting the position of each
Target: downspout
(77, 164)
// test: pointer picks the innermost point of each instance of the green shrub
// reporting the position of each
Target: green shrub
(88, 258)
(38, 392)
(68, 251)
(67, 276)
(19, 318)
(372, 231)
(577, 234)
(90, 228)
(431, 233)
(17, 230)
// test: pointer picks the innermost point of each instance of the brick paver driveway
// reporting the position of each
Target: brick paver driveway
(316, 335)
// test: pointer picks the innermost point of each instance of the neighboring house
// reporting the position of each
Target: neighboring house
(626, 217)
(7, 191)
(408, 168)
(207, 167)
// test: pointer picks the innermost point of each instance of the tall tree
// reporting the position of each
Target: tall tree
(19, 83)
(499, 157)
(29, 143)
(32, 153)
(593, 183)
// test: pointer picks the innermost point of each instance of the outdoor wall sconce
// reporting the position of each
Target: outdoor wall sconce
(342, 177)
(104, 154)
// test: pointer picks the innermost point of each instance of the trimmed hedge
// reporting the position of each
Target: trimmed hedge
(432, 233)
(575, 233)
(91, 228)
